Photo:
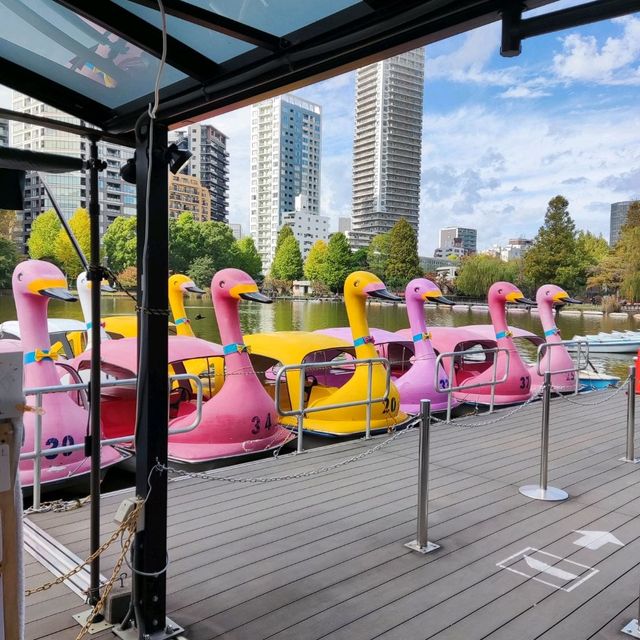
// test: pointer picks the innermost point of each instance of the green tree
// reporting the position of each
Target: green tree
(403, 264)
(65, 252)
(285, 232)
(8, 223)
(554, 255)
(9, 258)
(316, 262)
(201, 271)
(44, 233)
(287, 263)
(618, 270)
(378, 255)
(119, 243)
(219, 244)
(339, 261)
(128, 277)
(478, 272)
(627, 251)
(185, 242)
(359, 260)
(248, 256)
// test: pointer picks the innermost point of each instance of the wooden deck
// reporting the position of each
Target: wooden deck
(323, 556)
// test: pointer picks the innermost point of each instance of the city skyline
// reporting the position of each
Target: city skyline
(501, 137)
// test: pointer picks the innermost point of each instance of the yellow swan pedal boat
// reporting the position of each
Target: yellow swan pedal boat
(344, 382)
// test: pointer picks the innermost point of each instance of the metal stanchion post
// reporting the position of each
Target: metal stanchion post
(368, 407)
(633, 628)
(542, 491)
(303, 378)
(37, 462)
(421, 544)
(631, 417)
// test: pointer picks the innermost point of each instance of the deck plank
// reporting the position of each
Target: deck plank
(322, 556)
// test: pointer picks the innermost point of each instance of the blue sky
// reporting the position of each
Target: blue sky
(501, 136)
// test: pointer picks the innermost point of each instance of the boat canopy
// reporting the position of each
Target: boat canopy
(120, 356)
(11, 328)
(292, 347)
(381, 336)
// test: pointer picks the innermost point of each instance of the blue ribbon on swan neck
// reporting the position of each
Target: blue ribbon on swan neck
(235, 347)
(358, 342)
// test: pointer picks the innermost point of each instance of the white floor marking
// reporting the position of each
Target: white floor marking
(595, 539)
(545, 567)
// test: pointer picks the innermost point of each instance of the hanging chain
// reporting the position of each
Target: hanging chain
(127, 526)
(611, 395)
(292, 476)
(58, 506)
(486, 423)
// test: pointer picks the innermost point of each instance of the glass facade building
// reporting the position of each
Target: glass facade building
(70, 190)
(387, 146)
(619, 212)
(285, 163)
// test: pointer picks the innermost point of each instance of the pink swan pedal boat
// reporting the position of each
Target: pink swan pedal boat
(474, 369)
(239, 419)
(64, 422)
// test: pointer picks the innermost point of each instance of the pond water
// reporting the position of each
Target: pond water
(308, 315)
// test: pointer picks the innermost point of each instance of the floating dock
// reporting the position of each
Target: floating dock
(323, 556)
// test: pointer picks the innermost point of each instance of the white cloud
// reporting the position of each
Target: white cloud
(615, 62)
(523, 91)
(468, 61)
(542, 155)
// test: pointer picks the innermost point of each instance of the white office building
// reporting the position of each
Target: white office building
(285, 163)
(307, 227)
(459, 237)
(70, 190)
(387, 146)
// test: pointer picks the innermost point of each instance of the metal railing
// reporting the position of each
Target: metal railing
(301, 411)
(575, 370)
(38, 453)
(463, 387)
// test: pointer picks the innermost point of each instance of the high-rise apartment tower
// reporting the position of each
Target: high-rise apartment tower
(387, 146)
(209, 163)
(70, 190)
(285, 163)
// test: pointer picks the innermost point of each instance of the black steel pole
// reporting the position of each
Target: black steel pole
(94, 276)
(150, 543)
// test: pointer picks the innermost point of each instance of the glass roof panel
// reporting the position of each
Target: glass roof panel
(56, 43)
(277, 17)
(216, 46)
